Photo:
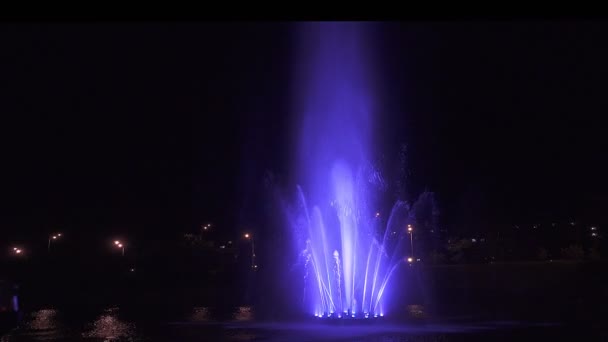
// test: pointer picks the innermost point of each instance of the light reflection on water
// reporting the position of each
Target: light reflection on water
(40, 325)
(48, 325)
(416, 311)
(240, 325)
(109, 327)
(45, 319)
(243, 313)
(200, 314)
(206, 314)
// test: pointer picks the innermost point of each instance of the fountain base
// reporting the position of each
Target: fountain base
(346, 319)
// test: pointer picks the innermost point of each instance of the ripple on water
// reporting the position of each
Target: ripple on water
(109, 327)
(40, 325)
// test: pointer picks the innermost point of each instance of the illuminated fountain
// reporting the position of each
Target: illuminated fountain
(349, 248)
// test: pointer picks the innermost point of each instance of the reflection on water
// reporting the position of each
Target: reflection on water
(41, 325)
(49, 325)
(239, 324)
(45, 319)
(200, 314)
(416, 311)
(207, 314)
(243, 313)
(109, 327)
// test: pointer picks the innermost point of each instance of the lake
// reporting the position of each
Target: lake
(240, 324)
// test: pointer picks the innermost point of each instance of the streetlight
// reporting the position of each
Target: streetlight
(51, 238)
(410, 230)
(250, 237)
(120, 245)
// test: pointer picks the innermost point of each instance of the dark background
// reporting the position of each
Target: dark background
(149, 130)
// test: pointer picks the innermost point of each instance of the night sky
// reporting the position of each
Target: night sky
(155, 129)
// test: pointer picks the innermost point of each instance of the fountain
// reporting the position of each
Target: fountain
(349, 248)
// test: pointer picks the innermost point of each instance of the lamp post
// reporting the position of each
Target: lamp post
(51, 238)
(250, 237)
(120, 245)
(410, 230)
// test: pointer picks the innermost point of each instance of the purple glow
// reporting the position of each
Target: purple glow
(348, 256)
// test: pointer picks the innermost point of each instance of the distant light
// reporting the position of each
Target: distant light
(132, 270)
(230, 242)
(120, 245)
(116, 242)
(205, 228)
(376, 315)
(316, 315)
(246, 236)
(381, 315)
(54, 237)
(593, 234)
(15, 248)
(222, 246)
(473, 240)
(410, 260)
(377, 214)
(409, 228)
(417, 259)
(18, 251)
(59, 234)
(593, 228)
(353, 316)
(339, 316)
